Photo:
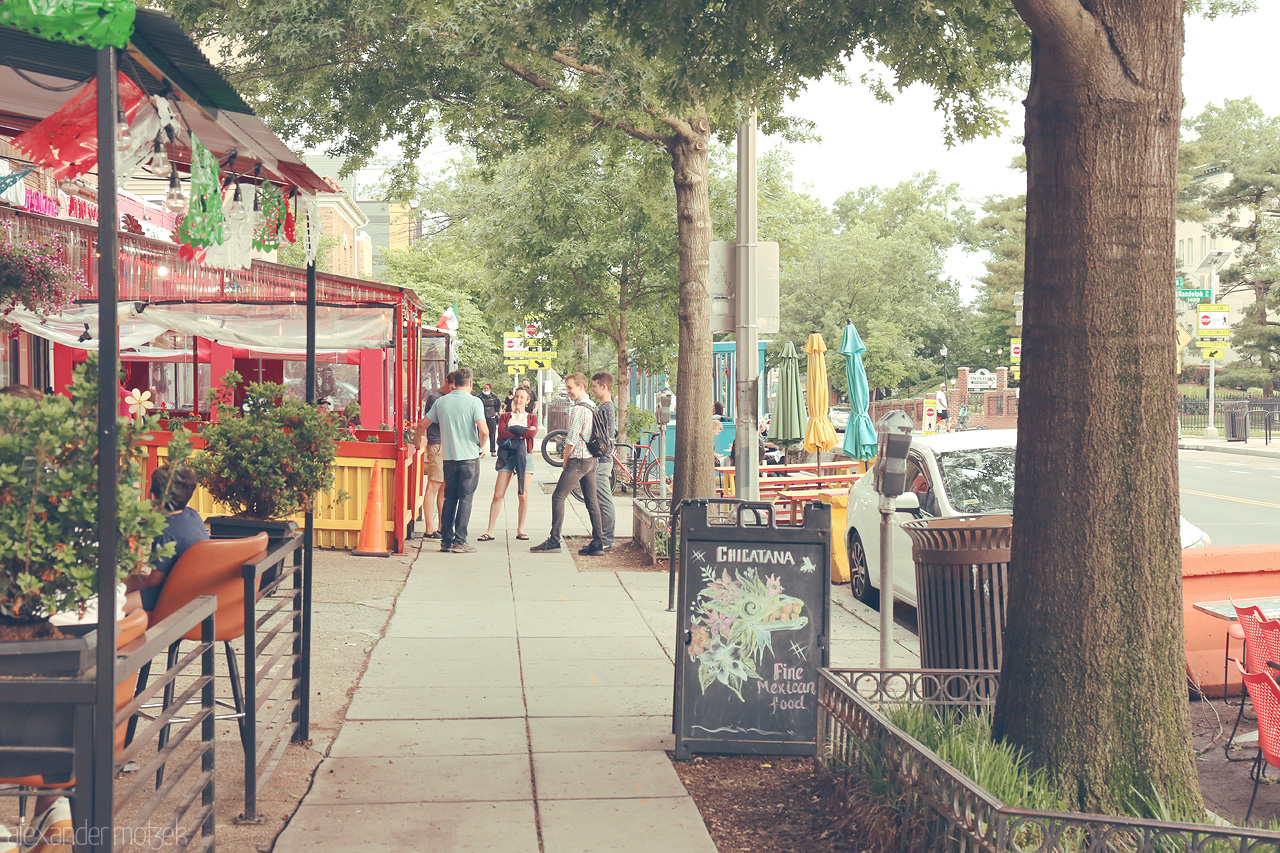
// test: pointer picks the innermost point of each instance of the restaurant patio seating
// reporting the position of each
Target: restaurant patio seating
(1265, 695)
(1250, 622)
(213, 567)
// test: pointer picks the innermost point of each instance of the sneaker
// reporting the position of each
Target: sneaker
(591, 551)
(462, 548)
(446, 547)
(547, 547)
(50, 832)
(435, 535)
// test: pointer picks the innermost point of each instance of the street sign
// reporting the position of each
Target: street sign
(982, 380)
(540, 363)
(528, 355)
(1184, 337)
(1212, 321)
(1217, 353)
(1211, 343)
(1179, 281)
(531, 330)
(721, 282)
(1015, 350)
(1193, 294)
(515, 368)
(1017, 373)
(514, 343)
(930, 425)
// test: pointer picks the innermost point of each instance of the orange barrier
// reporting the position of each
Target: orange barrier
(1217, 574)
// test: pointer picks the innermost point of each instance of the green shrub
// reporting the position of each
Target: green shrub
(49, 500)
(639, 421)
(271, 459)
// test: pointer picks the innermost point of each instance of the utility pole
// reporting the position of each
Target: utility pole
(746, 283)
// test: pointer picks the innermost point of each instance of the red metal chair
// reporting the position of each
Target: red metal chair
(1251, 621)
(1265, 695)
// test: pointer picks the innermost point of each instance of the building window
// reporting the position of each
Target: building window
(1180, 242)
(1204, 246)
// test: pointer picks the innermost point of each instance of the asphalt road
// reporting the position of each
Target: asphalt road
(1235, 499)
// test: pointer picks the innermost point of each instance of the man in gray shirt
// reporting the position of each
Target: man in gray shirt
(463, 432)
(602, 389)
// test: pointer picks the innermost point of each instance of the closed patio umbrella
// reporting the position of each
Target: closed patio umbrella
(787, 426)
(860, 434)
(821, 435)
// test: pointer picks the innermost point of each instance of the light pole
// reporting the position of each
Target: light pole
(1211, 264)
(942, 350)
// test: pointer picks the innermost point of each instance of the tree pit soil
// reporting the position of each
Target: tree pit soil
(766, 804)
(627, 555)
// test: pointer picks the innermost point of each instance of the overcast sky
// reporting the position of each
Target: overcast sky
(866, 143)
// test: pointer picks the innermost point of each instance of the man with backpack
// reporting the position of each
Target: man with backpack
(579, 468)
(604, 429)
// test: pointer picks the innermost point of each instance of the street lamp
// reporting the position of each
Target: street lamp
(1212, 262)
(942, 350)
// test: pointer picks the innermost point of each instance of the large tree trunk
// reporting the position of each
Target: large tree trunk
(1094, 683)
(622, 384)
(695, 456)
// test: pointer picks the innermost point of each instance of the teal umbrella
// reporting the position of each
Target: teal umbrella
(860, 434)
(789, 422)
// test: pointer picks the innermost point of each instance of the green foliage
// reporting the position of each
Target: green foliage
(49, 500)
(295, 254)
(270, 460)
(638, 422)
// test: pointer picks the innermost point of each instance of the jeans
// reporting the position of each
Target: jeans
(604, 497)
(576, 471)
(460, 479)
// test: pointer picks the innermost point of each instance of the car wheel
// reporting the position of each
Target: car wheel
(859, 576)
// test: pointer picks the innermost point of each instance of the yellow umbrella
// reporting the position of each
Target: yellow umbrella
(821, 435)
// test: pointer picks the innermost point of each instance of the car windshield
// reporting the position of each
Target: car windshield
(978, 480)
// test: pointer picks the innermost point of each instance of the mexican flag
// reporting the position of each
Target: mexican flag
(449, 319)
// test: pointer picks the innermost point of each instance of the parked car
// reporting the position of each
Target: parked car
(962, 473)
(839, 416)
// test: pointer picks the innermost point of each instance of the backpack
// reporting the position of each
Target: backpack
(600, 445)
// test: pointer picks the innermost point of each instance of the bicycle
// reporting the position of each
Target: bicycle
(635, 466)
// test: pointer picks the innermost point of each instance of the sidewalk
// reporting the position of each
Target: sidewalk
(1254, 447)
(516, 704)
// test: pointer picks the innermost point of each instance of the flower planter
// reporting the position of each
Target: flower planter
(238, 527)
(40, 726)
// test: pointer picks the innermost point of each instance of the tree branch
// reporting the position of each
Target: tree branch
(570, 62)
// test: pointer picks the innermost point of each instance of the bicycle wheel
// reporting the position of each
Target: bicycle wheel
(553, 447)
(651, 482)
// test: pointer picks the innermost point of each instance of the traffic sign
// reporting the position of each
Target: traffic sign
(539, 364)
(1015, 350)
(529, 355)
(1179, 281)
(1193, 294)
(515, 368)
(1215, 354)
(514, 343)
(531, 330)
(1017, 373)
(1212, 321)
(1210, 343)
(930, 425)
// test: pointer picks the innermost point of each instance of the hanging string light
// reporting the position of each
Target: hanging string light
(160, 165)
(175, 200)
(124, 139)
(236, 212)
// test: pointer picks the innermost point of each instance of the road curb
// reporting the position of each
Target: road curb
(1237, 449)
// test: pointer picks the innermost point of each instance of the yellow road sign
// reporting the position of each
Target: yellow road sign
(1221, 352)
(539, 364)
(545, 355)
(1184, 337)
(515, 368)
(1211, 343)
(1017, 373)
(1212, 320)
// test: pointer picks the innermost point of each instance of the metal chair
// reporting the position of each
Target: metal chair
(1265, 695)
(1250, 622)
(213, 567)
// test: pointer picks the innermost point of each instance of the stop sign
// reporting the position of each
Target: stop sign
(1204, 320)
(511, 343)
(531, 330)
(1016, 350)
(929, 412)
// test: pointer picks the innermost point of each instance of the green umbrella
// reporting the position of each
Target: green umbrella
(789, 422)
(860, 434)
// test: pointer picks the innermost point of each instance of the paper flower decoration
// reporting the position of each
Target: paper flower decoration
(66, 143)
(138, 402)
(96, 23)
(271, 202)
(202, 226)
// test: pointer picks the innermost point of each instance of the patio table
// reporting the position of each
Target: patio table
(1226, 610)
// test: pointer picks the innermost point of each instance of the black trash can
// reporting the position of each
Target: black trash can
(962, 567)
(1237, 418)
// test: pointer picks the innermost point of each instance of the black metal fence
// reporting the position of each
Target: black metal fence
(954, 813)
(178, 811)
(1193, 413)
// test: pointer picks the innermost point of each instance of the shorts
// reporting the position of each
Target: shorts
(528, 464)
(435, 463)
(944, 415)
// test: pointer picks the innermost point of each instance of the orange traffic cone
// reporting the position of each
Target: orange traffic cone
(373, 539)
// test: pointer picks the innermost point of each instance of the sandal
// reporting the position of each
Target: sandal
(521, 536)
(485, 537)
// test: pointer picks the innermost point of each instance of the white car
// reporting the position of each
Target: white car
(839, 416)
(960, 473)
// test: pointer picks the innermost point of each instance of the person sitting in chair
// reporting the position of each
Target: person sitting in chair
(172, 491)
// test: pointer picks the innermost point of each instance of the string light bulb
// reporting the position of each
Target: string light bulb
(124, 139)
(175, 201)
(160, 165)
(236, 212)
(259, 218)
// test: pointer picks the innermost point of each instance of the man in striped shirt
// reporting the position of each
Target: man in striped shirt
(579, 468)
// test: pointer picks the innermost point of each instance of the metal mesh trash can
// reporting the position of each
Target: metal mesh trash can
(1237, 420)
(557, 415)
(962, 566)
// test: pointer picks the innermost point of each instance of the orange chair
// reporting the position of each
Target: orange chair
(1251, 622)
(128, 629)
(212, 567)
(1265, 695)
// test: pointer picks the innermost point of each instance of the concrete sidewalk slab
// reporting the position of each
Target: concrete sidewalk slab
(624, 826)
(605, 775)
(436, 703)
(423, 779)
(623, 701)
(602, 672)
(399, 738)
(428, 672)
(589, 648)
(601, 734)
(502, 827)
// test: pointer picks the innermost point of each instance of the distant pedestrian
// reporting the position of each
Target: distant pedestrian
(492, 405)
(602, 388)
(579, 469)
(433, 501)
(516, 429)
(463, 432)
(944, 411)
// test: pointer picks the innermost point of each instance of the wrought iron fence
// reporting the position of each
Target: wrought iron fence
(952, 813)
(1193, 413)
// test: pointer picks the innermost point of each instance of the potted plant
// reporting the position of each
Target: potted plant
(266, 460)
(49, 552)
(37, 276)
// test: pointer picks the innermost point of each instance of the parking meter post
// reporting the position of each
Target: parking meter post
(663, 417)
(887, 509)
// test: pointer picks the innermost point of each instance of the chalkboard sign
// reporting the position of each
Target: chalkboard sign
(752, 629)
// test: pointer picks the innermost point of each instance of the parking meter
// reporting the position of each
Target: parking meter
(663, 415)
(889, 476)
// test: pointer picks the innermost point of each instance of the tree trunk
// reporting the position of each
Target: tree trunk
(622, 385)
(695, 460)
(1093, 684)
